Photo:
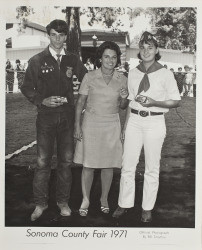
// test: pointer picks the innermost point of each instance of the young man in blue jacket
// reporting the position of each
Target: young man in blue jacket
(48, 85)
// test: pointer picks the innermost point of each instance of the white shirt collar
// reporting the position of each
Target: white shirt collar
(54, 53)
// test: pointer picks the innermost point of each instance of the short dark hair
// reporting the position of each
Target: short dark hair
(58, 25)
(157, 56)
(107, 45)
(17, 61)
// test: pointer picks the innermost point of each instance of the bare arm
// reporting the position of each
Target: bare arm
(161, 104)
(79, 108)
(124, 100)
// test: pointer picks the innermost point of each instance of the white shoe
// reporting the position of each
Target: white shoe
(38, 212)
(64, 209)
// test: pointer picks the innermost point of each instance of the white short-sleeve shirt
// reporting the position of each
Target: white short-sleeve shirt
(163, 86)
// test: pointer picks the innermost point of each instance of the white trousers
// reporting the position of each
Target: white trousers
(149, 132)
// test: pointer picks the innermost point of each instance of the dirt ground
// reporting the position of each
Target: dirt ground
(175, 205)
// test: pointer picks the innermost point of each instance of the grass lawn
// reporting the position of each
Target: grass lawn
(21, 129)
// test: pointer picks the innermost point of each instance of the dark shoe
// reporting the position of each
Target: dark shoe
(64, 209)
(146, 215)
(119, 212)
(38, 212)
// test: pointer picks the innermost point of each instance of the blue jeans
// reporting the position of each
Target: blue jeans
(53, 127)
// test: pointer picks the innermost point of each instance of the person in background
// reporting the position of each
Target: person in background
(89, 65)
(194, 82)
(188, 80)
(179, 77)
(25, 66)
(20, 72)
(98, 134)
(152, 93)
(48, 85)
(9, 76)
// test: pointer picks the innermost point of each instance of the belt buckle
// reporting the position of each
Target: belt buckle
(143, 113)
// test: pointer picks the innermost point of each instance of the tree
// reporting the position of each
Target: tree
(107, 16)
(176, 27)
(22, 14)
(73, 41)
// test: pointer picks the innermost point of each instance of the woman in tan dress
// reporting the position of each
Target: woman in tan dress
(98, 134)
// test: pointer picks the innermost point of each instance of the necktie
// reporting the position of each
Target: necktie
(58, 59)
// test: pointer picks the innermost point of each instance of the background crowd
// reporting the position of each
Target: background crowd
(17, 70)
(186, 80)
(184, 76)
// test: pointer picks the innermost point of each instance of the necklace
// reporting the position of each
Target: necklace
(108, 74)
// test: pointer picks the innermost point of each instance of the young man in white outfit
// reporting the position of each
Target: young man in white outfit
(152, 92)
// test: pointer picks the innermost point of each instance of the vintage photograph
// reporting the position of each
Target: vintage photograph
(100, 119)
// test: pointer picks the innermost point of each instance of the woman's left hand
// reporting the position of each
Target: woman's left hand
(149, 103)
(123, 93)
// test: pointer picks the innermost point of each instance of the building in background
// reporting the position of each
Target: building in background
(23, 45)
(93, 38)
(34, 39)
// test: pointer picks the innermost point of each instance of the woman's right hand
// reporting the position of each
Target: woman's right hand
(78, 133)
(122, 137)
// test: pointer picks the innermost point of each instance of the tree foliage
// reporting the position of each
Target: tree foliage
(22, 14)
(108, 16)
(176, 27)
